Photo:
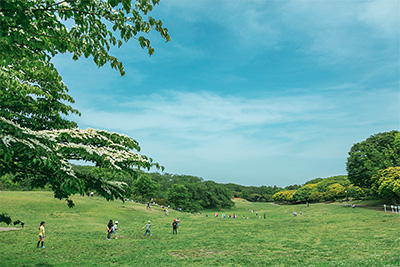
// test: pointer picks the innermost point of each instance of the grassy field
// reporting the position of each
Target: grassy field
(325, 235)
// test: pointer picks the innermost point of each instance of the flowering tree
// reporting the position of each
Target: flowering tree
(36, 138)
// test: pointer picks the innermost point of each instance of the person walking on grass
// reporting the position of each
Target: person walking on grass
(109, 229)
(175, 227)
(41, 235)
(148, 225)
(114, 229)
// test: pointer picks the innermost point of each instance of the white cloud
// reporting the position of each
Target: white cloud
(383, 16)
(345, 30)
(206, 112)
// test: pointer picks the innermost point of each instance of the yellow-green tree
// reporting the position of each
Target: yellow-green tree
(334, 192)
(386, 184)
(304, 193)
(284, 196)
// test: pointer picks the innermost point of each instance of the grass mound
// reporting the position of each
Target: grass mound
(324, 235)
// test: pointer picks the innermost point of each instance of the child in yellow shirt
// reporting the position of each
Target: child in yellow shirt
(41, 235)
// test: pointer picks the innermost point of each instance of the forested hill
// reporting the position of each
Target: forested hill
(193, 183)
(179, 191)
(193, 193)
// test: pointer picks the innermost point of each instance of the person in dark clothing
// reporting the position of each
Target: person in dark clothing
(109, 229)
(175, 227)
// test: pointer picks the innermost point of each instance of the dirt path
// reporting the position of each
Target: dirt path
(8, 229)
(272, 203)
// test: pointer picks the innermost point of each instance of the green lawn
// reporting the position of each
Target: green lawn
(325, 235)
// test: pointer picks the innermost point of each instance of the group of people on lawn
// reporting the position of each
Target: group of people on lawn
(113, 227)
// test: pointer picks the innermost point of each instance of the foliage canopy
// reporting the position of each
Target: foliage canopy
(36, 138)
(145, 187)
(178, 195)
(379, 151)
(386, 184)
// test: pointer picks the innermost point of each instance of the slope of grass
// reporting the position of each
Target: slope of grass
(325, 235)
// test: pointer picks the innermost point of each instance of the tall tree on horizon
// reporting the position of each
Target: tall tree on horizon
(378, 152)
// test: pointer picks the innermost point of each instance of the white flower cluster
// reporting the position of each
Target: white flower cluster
(8, 139)
(38, 134)
(36, 142)
(111, 155)
(77, 133)
(33, 143)
(89, 134)
(67, 168)
(114, 153)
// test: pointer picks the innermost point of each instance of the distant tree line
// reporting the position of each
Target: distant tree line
(373, 168)
(185, 192)
(253, 193)
(188, 192)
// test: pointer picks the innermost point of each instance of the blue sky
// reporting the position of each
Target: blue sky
(251, 92)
